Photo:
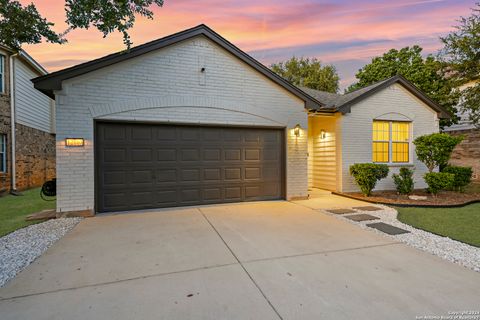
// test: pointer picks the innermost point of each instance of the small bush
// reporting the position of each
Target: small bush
(404, 181)
(434, 149)
(463, 176)
(438, 181)
(366, 175)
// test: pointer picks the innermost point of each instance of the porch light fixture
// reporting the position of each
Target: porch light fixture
(74, 142)
(323, 134)
(296, 130)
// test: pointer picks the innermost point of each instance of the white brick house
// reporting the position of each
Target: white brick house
(191, 119)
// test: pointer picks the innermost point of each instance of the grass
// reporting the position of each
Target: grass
(462, 224)
(14, 209)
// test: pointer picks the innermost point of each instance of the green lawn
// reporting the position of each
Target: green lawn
(462, 224)
(14, 209)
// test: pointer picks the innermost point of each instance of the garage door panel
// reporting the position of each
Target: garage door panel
(166, 133)
(143, 166)
(233, 155)
(115, 155)
(213, 174)
(233, 174)
(212, 155)
(167, 154)
(252, 154)
(141, 154)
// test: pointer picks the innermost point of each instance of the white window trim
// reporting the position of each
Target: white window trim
(3, 152)
(2, 73)
(390, 162)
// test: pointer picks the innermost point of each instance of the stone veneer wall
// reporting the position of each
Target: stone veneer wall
(467, 153)
(35, 149)
(35, 157)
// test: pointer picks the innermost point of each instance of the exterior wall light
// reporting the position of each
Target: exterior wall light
(296, 130)
(323, 134)
(74, 142)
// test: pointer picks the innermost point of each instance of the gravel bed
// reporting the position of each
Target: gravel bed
(444, 247)
(20, 248)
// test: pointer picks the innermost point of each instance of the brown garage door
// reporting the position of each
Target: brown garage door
(140, 166)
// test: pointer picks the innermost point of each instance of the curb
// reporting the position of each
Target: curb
(405, 205)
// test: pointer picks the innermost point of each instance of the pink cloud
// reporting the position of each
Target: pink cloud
(268, 24)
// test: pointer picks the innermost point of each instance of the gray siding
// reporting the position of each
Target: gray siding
(33, 108)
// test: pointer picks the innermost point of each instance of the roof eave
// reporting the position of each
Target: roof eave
(441, 112)
(53, 81)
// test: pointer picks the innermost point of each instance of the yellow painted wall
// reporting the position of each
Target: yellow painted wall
(323, 152)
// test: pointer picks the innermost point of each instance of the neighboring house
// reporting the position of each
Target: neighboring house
(467, 153)
(27, 144)
(191, 119)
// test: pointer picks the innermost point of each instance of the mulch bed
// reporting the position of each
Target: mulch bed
(443, 199)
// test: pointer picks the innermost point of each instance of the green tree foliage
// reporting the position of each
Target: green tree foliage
(404, 181)
(308, 73)
(108, 16)
(19, 25)
(367, 175)
(461, 53)
(434, 149)
(22, 25)
(438, 181)
(425, 73)
(463, 176)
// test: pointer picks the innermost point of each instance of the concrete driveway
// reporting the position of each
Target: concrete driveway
(265, 260)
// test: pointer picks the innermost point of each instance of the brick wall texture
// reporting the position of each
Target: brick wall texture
(467, 153)
(168, 86)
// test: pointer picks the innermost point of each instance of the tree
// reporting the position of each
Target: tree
(21, 25)
(308, 73)
(461, 53)
(425, 73)
(434, 149)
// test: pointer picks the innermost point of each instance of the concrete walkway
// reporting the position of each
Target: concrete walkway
(265, 260)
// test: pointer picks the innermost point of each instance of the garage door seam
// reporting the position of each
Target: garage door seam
(241, 264)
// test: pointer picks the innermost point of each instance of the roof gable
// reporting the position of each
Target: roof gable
(343, 103)
(53, 81)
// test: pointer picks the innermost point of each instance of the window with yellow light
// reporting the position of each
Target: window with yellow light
(391, 141)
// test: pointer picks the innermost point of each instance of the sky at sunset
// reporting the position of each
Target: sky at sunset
(345, 33)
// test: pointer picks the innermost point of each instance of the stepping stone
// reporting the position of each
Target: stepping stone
(367, 208)
(387, 228)
(362, 217)
(341, 211)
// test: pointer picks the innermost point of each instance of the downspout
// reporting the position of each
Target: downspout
(13, 181)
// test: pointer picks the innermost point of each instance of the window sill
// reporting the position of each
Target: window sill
(393, 165)
(408, 164)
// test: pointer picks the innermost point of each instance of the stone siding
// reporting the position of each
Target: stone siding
(467, 153)
(35, 153)
(35, 149)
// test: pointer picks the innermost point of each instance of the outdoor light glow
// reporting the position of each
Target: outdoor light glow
(296, 130)
(323, 134)
(74, 142)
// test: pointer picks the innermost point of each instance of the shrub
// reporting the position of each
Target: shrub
(463, 176)
(438, 181)
(366, 175)
(434, 149)
(404, 181)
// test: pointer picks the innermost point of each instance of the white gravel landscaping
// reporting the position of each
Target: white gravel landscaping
(20, 248)
(444, 247)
